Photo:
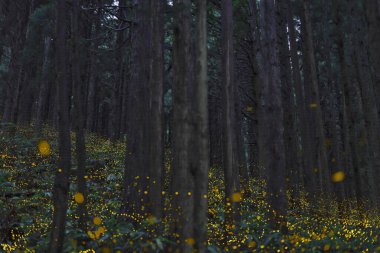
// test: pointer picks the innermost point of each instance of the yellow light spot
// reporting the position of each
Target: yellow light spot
(236, 197)
(79, 198)
(189, 193)
(106, 250)
(151, 219)
(145, 192)
(163, 192)
(91, 235)
(97, 221)
(313, 105)
(316, 170)
(190, 241)
(338, 176)
(176, 193)
(249, 109)
(205, 196)
(44, 148)
(251, 244)
(59, 170)
(102, 230)
(97, 234)
(326, 247)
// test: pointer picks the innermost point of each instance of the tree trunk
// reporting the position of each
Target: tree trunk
(373, 19)
(231, 176)
(355, 131)
(44, 87)
(183, 79)
(271, 134)
(92, 82)
(20, 12)
(79, 114)
(306, 175)
(137, 157)
(61, 182)
(364, 77)
(201, 135)
(292, 164)
(116, 92)
(319, 159)
(156, 159)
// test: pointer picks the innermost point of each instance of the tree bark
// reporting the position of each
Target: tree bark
(201, 135)
(271, 134)
(156, 110)
(44, 87)
(231, 175)
(61, 182)
(79, 114)
(183, 79)
(292, 164)
(319, 159)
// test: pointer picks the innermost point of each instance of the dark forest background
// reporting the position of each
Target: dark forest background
(283, 95)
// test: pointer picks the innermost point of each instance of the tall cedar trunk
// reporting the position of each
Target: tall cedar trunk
(21, 13)
(290, 133)
(333, 95)
(201, 135)
(61, 182)
(355, 131)
(156, 110)
(79, 114)
(257, 77)
(183, 79)
(127, 67)
(373, 19)
(319, 159)
(364, 77)
(44, 87)
(239, 143)
(136, 170)
(92, 82)
(24, 106)
(116, 92)
(306, 175)
(271, 134)
(231, 175)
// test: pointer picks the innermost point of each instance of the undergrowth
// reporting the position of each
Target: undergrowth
(26, 180)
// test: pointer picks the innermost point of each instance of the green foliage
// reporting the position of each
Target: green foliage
(26, 207)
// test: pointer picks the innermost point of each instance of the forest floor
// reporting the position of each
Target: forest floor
(26, 180)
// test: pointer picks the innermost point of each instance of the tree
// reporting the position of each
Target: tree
(183, 78)
(61, 181)
(79, 113)
(290, 132)
(156, 152)
(201, 135)
(231, 176)
(271, 134)
(319, 159)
